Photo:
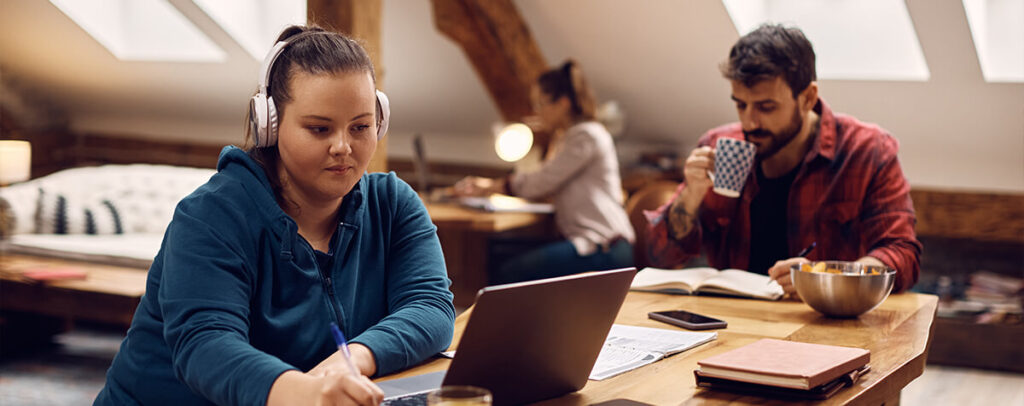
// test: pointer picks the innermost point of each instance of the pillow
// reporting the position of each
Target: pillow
(58, 214)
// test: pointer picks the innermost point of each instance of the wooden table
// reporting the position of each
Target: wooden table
(464, 235)
(109, 294)
(897, 333)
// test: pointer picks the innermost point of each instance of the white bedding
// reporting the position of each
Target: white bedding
(133, 250)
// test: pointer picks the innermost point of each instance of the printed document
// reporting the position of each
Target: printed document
(630, 347)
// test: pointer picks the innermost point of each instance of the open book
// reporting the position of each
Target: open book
(630, 347)
(731, 282)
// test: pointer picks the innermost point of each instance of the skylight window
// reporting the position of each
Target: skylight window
(997, 27)
(141, 30)
(853, 39)
(255, 24)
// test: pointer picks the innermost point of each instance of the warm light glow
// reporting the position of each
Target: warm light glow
(513, 142)
(15, 161)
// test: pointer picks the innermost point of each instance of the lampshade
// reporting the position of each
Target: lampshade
(15, 161)
(513, 141)
(613, 118)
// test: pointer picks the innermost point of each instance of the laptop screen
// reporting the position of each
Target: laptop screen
(536, 340)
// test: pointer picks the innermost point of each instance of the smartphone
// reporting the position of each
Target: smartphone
(687, 320)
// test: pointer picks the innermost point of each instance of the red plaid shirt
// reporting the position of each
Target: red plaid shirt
(849, 196)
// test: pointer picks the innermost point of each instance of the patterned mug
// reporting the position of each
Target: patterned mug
(733, 160)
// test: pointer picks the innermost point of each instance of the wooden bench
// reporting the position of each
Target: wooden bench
(108, 294)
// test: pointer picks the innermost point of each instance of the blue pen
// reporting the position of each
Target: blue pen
(805, 251)
(343, 347)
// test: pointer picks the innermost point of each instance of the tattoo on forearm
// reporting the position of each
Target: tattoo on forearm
(680, 221)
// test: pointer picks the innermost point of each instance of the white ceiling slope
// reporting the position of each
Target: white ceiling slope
(649, 67)
(657, 58)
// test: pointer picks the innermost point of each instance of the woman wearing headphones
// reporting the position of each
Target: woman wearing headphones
(580, 174)
(290, 236)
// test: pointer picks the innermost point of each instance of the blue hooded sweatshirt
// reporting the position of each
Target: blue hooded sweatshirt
(236, 297)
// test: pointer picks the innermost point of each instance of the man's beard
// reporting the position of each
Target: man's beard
(776, 140)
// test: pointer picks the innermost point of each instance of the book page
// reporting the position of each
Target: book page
(631, 347)
(735, 281)
(671, 280)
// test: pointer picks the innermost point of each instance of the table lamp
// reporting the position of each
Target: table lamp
(512, 141)
(15, 161)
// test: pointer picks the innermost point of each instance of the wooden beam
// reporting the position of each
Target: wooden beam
(361, 20)
(498, 43)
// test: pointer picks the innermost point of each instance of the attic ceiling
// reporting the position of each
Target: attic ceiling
(657, 58)
(49, 56)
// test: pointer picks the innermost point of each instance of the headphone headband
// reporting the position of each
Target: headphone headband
(263, 118)
(275, 52)
(268, 62)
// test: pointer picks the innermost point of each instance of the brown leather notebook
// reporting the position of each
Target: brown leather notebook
(821, 392)
(786, 364)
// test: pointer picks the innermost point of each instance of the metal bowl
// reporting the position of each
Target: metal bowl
(854, 291)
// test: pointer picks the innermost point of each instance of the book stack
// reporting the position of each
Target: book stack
(784, 369)
(1000, 294)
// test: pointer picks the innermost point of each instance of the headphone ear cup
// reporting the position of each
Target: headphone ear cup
(258, 119)
(271, 122)
(383, 114)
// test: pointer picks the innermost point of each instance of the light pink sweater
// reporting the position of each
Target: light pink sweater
(583, 179)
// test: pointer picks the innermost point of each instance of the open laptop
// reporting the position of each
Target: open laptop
(529, 341)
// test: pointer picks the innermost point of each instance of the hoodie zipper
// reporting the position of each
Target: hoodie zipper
(329, 286)
(325, 279)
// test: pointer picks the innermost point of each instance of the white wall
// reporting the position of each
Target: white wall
(955, 130)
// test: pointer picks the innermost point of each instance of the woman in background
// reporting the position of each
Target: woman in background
(290, 236)
(580, 174)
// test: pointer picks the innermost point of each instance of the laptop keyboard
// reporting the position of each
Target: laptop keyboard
(416, 399)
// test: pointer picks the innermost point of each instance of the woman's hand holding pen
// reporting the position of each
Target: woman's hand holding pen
(332, 388)
(338, 380)
(362, 358)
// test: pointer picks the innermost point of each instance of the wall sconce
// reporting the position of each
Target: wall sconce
(15, 161)
(512, 141)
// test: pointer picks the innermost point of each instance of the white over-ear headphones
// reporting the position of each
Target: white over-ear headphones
(263, 113)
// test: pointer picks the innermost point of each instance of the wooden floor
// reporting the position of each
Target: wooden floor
(964, 387)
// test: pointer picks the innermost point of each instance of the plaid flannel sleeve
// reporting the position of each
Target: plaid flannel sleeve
(663, 249)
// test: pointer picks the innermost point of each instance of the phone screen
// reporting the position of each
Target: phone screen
(688, 317)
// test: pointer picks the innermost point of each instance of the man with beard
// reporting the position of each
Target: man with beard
(818, 177)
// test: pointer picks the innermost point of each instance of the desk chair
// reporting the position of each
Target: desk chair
(650, 197)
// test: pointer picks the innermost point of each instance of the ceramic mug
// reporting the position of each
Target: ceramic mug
(733, 160)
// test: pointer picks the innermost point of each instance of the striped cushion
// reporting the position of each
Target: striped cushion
(58, 214)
